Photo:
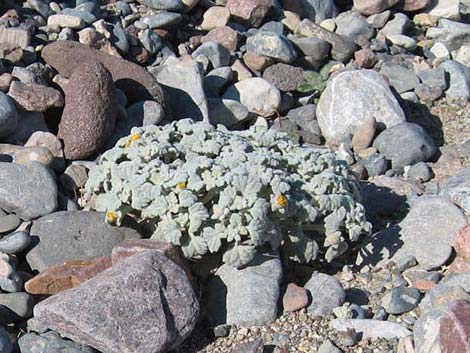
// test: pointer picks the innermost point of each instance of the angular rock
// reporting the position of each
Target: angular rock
(183, 85)
(29, 191)
(450, 33)
(271, 45)
(343, 48)
(76, 235)
(245, 296)
(318, 49)
(352, 25)
(327, 293)
(217, 54)
(89, 116)
(8, 115)
(168, 5)
(147, 300)
(459, 79)
(449, 9)
(285, 77)
(349, 101)
(401, 300)
(370, 7)
(68, 275)
(35, 97)
(371, 328)
(457, 189)
(17, 36)
(134, 80)
(318, 10)
(295, 298)
(401, 78)
(49, 342)
(162, 20)
(258, 95)
(216, 16)
(227, 112)
(225, 36)
(397, 26)
(249, 12)
(454, 330)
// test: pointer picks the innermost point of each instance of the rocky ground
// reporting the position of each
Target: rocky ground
(384, 83)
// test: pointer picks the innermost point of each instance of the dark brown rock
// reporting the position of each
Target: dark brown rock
(89, 116)
(285, 77)
(295, 298)
(143, 304)
(249, 12)
(69, 275)
(34, 97)
(134, 80)
(454, 331)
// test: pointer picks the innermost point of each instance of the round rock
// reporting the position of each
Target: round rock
(90, 112)
(401, 300)
(14, 243)
(326, 292)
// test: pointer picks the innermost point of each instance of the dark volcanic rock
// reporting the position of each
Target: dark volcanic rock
(134, 80)
(143, 304)
(89, 116)
(75, 235)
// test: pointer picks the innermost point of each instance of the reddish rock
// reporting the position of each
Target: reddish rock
(371, 7)
(249, 12)
(69, 275)
(89, 116)
(415, 5)
(134, 80)
(365, 58)
(257, 62)
(35, 98)
(295, 298)
(454, 331)
(424, 284)
(224, 36)
(459, 265)
(462, 243)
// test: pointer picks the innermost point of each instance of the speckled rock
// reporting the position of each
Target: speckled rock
(285, 77)
(147, 300)
(134, 80)
(249, 12)
(35, 97)
(49, 342)
(90, 112)
(272, 45)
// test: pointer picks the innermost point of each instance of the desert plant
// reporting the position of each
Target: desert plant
(212, 190)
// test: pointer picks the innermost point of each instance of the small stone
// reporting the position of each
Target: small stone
(162, 20)
(257, 346)
(352, 25)
(379, 20)
(68, 275)
(462, 243)
(401, 78)
(5, 81)
(9, 223)
(375, 164)
(285, 77)
(290, 19)
(146, 295)
(433, 77)
(440, 51)
(329, 347)
(14, 243)
(50, 342)
(241, 72)
(90, 112)
(371, 328)
(420, 172)
(370, 7)
(364, 136)
(225, 36)
(272, 45)
(398, 25)
(401, 300)
(249, 12)
(449, 9)
(15, 36)
(316, 48)
(326, 292)
(425, 20)
(415, 5)
(8, 115)
(365, 58)
(226, 112)
(257, 62)
(295, 298)
(35, 97)
(217, 54)
(20, 305)
(402, 41)
(50, 142)
(65, 21)
(427, 93)
(216, 16)
(258, 95)
(405, 144)
(459, 79)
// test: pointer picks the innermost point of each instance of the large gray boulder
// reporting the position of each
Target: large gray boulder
(74, 235)
(29, 191)
(143, 304)
(457, 189)
(459, 79)
(351, 99)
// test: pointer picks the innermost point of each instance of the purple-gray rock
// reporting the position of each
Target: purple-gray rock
(143, 304)
(89, 116)
(74, 235)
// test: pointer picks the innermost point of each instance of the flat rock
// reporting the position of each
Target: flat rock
(68, 275)
(29, 191)
(343, 48)
(74, 235)
(459, 79)
(401, 300)
(35, 97)
(147, 300)
(450, 33)
(401, 78)
(245, 296)
(9, 223)
(257, 95)
(49, 342)
(327, 293)
(285, 77)
(182, 82)
(405, 144)
(371, 328)
(89, 116)
(349, 101)
(457, 189)
(134, 80)
(227, 112)
(15, 242)
(272, 45)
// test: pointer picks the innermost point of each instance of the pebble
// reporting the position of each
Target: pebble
(401, 300)
(401, 78)
(327, 293)
(420, 172)
(295, 298)
(371, 328)
(217, 54)
(405, 144)
(20, 304)
(14, 243)
(9, 223)
(272, 45)
(249, 12)
(67, 21)
(257, 95)
(375, 164)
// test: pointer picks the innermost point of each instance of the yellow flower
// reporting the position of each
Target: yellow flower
(111, 217)
(281, 201)
(132, 138)
(181, 185)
